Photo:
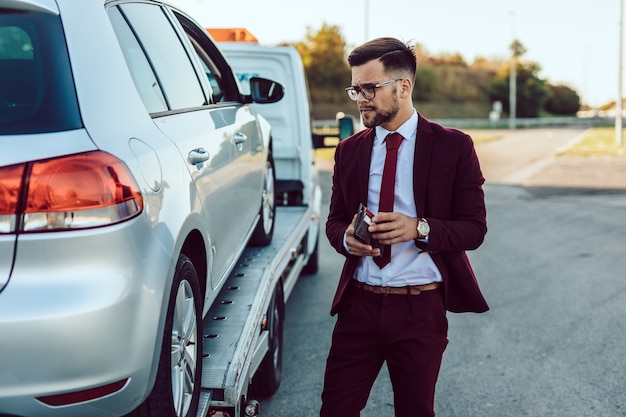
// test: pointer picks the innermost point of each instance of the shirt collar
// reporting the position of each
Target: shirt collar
(408, 129)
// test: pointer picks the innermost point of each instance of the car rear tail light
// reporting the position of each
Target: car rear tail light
(82, 396)
(10, 184)
(73, 192)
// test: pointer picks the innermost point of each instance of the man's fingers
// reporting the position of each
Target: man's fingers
(393, 228)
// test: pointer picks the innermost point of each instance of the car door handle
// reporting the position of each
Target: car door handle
(239, 138)
(198, 156)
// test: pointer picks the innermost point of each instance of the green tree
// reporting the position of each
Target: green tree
(323, 54)
(532, 91)
(425, 83)
(517, 49)
(562, 101)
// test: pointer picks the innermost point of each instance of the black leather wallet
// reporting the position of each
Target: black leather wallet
(363, 221)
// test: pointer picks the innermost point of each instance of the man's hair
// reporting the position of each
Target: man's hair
(392, 53)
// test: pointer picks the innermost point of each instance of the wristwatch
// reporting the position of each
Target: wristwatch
(423, 228)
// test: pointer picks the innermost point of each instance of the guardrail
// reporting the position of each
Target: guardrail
(528, 123)
(524, 123)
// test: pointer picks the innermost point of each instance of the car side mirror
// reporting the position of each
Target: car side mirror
(264, 91)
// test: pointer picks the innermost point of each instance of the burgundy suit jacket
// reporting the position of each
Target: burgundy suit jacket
(447, 187)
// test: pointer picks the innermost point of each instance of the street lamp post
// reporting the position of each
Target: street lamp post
(513, 92)
(619, 139)
(513, 80)
(367, 20)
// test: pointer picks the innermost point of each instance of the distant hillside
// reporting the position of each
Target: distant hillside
(432, 110)
(445, 87)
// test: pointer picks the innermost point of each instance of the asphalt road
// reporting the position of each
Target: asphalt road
(552, 268)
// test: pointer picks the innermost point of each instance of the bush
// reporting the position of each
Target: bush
(562, 100)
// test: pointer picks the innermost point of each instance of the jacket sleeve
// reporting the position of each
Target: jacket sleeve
(457, 215)
(340, 211)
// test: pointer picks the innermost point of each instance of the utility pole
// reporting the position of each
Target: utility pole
(367, 20)
(513, 92)
(513, 80)
(619, 139)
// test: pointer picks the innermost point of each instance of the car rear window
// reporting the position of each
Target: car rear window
(36, 87)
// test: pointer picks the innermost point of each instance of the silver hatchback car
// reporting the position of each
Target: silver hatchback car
(132, 175)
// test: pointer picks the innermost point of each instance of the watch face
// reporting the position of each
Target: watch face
(423, 228)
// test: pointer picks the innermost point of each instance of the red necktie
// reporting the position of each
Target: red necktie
(387, 186)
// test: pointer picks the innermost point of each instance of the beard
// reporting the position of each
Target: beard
(380, 117)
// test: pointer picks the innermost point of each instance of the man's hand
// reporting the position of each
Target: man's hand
(355, 246)
(390, 228)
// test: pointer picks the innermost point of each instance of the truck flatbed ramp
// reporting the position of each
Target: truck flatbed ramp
(232, 328)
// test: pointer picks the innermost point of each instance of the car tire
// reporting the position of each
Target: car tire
(267, 379)
(176, 391)
(264, 230)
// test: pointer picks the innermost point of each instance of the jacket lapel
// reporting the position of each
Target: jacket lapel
(421, 161)
(364, 158)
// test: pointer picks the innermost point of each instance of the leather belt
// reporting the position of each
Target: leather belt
(408, 290)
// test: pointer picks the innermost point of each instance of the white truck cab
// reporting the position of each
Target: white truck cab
(290, 118)
(244, 349)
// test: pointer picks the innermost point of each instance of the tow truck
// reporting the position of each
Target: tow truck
(243, 331)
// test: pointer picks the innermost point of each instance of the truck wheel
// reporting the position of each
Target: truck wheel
(264, 230)
(177, 388)
(266, 381)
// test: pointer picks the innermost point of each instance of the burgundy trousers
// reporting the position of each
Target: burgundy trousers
(408, 332)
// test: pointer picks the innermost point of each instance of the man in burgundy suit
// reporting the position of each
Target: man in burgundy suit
(395, 311)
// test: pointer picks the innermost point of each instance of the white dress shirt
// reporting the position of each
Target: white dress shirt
(408, 266)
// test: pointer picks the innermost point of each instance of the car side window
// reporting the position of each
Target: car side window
(218, 75)
(158, 49)
(216, 94)
(145, 81)
(210, 70)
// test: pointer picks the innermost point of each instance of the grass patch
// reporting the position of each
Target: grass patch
(597, 141)
(479, 136)
(325, 153)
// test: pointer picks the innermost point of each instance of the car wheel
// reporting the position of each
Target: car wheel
(264, 230)
(266, 381)
(177, 388)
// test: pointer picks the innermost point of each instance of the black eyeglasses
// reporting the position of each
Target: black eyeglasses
(368, 91)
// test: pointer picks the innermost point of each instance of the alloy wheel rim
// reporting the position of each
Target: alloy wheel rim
(268, 201)
(184, 354)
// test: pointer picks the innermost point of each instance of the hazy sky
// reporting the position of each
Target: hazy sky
(576, 42)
